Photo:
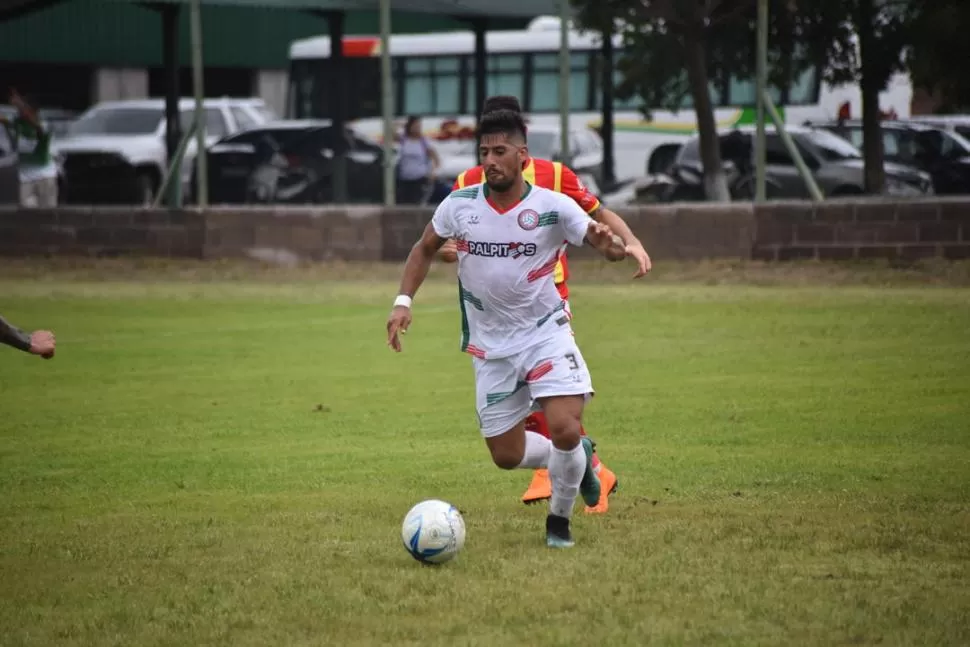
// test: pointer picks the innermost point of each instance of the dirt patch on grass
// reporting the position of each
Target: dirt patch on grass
(870, 273)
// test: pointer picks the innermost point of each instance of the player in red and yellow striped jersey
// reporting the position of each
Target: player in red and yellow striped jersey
(560, 178)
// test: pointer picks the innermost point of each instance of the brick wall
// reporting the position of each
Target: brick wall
(295, 233)
(100, 231)
(846, 229)
(859, 229)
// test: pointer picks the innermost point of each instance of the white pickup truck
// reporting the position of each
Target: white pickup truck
(116, 152)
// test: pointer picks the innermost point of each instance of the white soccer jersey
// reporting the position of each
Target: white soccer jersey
(506, 266)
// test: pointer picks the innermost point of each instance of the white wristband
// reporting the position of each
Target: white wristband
(402, 300)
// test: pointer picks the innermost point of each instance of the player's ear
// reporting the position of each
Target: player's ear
(524, 153)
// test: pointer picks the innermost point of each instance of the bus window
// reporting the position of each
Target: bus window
(311, 81)
(432, 85)
(447, 86)
(805, 89)
(418, 87)
(506, 75)
(545, 82)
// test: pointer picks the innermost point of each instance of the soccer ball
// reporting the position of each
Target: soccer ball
(433, 531)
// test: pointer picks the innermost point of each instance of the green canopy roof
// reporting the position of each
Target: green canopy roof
(469, 8)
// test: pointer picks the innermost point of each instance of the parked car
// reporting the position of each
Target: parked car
(959, 124)
(836, 165)
(942, 153)
(585, 148)
(291, 162)
(116, 151)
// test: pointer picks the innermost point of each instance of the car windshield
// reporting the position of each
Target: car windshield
(831, 147)
(117, 121)
(960, 140)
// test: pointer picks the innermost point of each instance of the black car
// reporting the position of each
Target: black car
(941, 152)
(291, 162)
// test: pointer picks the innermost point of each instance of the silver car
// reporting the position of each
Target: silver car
(836, 165)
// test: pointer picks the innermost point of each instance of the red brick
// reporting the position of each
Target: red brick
(835, 253)
(797, 253)
(939, 232)
(770, 232)
(918, 252)
(881, 211)
(877, 251)
(835, 211)
(917, 211)
(956, 252)
(955, 209)
(815, 233)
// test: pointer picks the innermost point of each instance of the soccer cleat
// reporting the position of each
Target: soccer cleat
(608, 485)
(557, 532)
(540, 488)
(589, 487)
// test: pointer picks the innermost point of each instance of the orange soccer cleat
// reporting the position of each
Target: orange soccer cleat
(539, 489)
(608, 485)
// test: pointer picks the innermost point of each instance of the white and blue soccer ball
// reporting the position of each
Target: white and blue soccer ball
(433, 531)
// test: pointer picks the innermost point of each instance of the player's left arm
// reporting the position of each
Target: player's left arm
(39, 342)
(572, 187)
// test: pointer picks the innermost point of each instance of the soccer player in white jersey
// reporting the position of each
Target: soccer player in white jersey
(509, 236)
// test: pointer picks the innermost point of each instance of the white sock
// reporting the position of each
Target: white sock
(537, 449)
(566, 469)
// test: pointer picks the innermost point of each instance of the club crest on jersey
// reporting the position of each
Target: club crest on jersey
(500, 250)
(528, 219)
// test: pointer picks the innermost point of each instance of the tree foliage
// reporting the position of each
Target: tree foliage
(940, 48)
(679, 53)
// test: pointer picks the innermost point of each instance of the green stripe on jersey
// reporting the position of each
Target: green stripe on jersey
(548, 219)
(468, 193)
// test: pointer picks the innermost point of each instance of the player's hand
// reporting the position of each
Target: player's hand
(599, 236)
(397, 324)
(640, 255)
(42, 343)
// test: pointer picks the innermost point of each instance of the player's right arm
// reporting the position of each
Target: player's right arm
(449, 251)
(416, 267)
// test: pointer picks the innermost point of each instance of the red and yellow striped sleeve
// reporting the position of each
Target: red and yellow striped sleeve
(570, 184)
(468, 177)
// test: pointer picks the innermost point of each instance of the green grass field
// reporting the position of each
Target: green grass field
(221, 456)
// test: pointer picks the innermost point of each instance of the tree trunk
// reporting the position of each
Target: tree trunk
(715, 181)
(609, 155)
(872, 149)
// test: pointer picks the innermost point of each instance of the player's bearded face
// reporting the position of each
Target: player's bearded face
(501, 159)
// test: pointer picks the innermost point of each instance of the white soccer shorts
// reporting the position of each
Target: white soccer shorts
(505, 389)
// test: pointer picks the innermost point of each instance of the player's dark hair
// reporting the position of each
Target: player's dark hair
(501, 102)
(501, 122)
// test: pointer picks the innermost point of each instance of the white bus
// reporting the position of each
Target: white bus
(434, 77)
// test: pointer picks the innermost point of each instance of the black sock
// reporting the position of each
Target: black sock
(558, 526)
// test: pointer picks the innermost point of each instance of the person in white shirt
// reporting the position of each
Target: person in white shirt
(509, 235)
(38, 171)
